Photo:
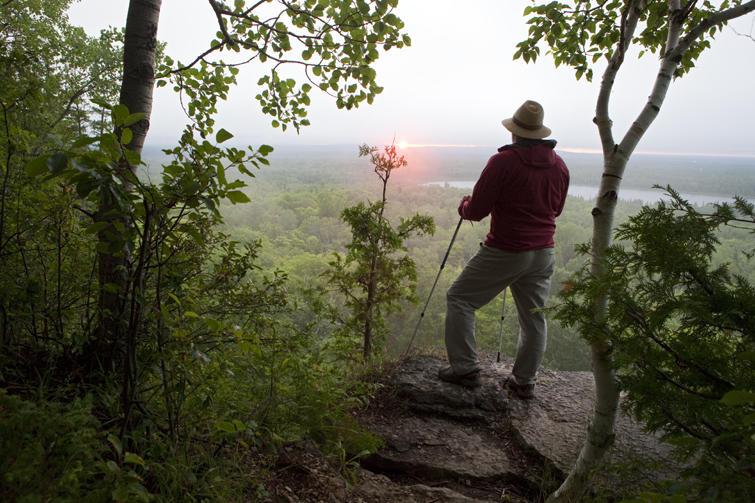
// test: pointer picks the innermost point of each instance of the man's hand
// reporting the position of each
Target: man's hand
(462, 204)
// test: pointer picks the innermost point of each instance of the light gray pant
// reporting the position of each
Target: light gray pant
(528, 274)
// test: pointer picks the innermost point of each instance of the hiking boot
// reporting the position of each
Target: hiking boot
(523, 391)
(470, 379)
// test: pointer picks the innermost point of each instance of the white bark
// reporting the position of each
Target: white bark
(138, 83)
(137, 89)
(600, 432)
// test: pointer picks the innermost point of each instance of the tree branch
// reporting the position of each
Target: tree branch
(677, 357)
(221, 25)
(76, 95)
(745, 35)
(682, 387)
(717, 19)
(585, 11)
(676, 18)
(85, 212)
(684, 427)
(602, 119)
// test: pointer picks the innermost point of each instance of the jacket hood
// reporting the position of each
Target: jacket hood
(536, 153)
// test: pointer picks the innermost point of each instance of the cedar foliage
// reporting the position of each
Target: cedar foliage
(374, 276)
(683, 336)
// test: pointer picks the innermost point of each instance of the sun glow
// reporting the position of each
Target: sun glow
(403, 144)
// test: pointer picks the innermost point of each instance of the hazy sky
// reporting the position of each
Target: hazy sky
(458, 80)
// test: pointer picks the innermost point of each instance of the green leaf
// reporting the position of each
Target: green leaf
(221, 174)
(264, 149)
(110, 145)
(132, 157)
(738, 397)
(225, 426)
(116, 443)
(120, 113)
(133, 119)
(84, 141)
(683, 441)
(134, 459)
(194, 233)
(104, 104)
(37, 166)
(95, 227)
(85, 187)
(236, 196)
(56, 163)
(126, 136)
(222, 136)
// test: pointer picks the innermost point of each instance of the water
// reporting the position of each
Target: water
(589, 193)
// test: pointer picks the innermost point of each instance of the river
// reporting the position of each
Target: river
(588, 193)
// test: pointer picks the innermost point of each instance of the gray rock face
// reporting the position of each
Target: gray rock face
(307, 477)
(486, 439)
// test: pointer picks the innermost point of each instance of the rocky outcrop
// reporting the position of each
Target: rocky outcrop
(490, 439)
(447, 443)
(305, 476)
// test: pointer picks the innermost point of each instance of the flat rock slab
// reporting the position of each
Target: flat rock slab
(436, 430)
(436, 447)
(306, 477)
(554, 426)
(379, 488)
(417, 380)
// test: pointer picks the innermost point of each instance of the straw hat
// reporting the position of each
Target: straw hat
(527, 121)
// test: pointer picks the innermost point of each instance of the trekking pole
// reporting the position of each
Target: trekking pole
(500, 330)
(442, 265)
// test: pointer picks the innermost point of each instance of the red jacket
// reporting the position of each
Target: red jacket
(523, 189)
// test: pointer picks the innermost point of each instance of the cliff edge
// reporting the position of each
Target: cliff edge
(446, 443)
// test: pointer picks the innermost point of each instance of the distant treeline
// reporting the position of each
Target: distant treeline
(724, 176)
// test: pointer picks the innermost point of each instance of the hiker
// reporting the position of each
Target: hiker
(523, 188)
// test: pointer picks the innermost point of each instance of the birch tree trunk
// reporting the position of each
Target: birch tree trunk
(136, 93)
(600, 433)
(139, 65)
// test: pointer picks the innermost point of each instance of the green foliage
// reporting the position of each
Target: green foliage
(53, 69)
(216, 360)
(53, 74)
(580, 33)
(236, 372)
(212, 356)
(373, 276)
(336, 44)
(683, 337)
(54, 452)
